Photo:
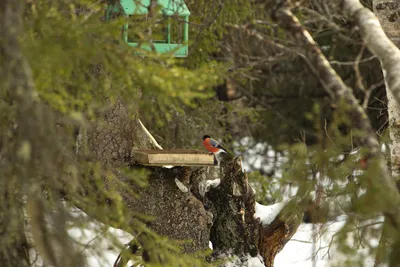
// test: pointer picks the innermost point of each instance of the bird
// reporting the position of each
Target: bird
(212, 145)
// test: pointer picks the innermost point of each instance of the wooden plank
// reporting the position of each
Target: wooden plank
(170, 151)
(175, 157)
(141, 156)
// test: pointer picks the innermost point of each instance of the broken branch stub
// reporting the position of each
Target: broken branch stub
(235, 228)
(274, 236)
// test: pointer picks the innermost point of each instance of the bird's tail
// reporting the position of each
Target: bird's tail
(224, 150)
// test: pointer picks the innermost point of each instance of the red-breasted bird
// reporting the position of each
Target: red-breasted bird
(212, 145)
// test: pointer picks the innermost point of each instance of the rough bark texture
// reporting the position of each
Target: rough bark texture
(234, 228)
(274, 236)
(388, 13)
(225, 215)
(344, 96)
(376, 39)
(178, 215)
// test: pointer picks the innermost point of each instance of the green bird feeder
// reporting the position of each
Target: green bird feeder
(168, 32)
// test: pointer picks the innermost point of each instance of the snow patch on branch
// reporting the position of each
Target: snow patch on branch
(205, 186)
(267, 214)
(168, 166)
(181, 186)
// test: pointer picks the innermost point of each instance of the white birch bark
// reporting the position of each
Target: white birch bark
(342, 94)
(387, 12)
(377, 41)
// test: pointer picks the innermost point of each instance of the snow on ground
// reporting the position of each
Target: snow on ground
(300, 251)
(309, 247)
(99, 247)
(98, 244)
(268, 213)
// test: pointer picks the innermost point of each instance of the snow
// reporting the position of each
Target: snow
(168, 166)
(101, 248)
(181, 186)
(298, 252)
(301, 251)
(311, 245)
(268, 213)
(246, 261)
(205, 186)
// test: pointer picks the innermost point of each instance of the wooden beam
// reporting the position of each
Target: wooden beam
(174, 157)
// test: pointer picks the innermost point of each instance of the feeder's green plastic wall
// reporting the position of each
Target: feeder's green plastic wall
(169, 8)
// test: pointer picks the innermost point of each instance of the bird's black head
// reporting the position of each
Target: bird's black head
(205, 137)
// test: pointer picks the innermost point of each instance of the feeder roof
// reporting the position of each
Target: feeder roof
(169, 7)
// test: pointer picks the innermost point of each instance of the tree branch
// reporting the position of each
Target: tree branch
(148, 134)
(377, 42)
(356, 115)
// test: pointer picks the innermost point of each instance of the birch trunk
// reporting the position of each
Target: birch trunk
(387, 13)
(377, 39)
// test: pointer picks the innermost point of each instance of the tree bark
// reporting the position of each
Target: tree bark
(273, 237)
(224, 215)
(234, 227)
(178, 215)
(376, 39)
(388, 12)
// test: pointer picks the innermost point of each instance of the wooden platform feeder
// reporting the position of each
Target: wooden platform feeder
(174, 157)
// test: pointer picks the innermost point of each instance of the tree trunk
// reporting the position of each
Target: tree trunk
(376, 39)
(224, 215)
(388, 15)
(14, 249)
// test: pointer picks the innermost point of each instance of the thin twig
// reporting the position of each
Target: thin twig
(153, 141)
(349, 63)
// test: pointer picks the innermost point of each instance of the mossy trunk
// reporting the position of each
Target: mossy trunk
(14, 80)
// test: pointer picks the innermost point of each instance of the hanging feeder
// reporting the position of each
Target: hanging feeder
(169, 31)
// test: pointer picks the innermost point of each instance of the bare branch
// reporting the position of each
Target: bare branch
(148, 134)
(355, 113)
